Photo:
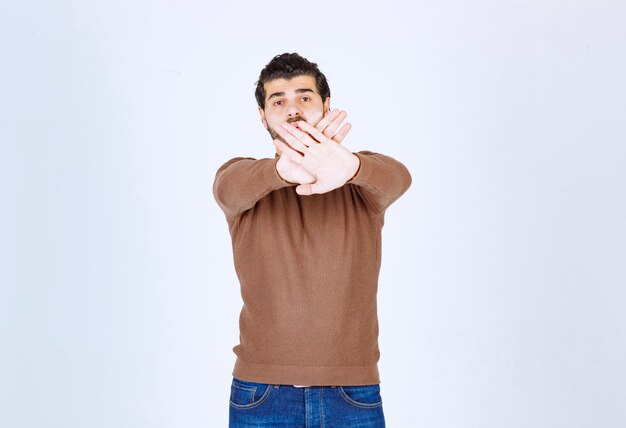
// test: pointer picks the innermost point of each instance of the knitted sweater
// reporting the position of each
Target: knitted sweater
(308, 270)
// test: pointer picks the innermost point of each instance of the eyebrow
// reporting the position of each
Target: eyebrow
(298, 91)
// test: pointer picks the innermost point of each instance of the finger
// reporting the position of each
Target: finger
(309, 189)
(315, 118)
(280, 145)
(322, 124)
(303, 137)
(291, 154)
(339, 136)
(315, 133)
(290, 139)
(330, 130)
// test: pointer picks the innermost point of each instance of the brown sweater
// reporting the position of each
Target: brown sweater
(308, 268)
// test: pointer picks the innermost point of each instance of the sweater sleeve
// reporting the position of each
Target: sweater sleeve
(380, 179)
(242, 181)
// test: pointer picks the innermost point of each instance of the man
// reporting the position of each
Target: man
(306, 237)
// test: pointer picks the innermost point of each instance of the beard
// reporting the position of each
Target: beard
(275, 135)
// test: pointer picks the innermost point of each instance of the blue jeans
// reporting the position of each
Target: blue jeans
(255, 404)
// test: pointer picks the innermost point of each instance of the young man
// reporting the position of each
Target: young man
(306, 236)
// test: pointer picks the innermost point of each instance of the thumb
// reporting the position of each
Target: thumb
(304, 189)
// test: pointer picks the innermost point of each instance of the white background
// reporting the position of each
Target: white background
(502, 290)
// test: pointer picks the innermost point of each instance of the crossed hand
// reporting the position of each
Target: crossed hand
(313, 157)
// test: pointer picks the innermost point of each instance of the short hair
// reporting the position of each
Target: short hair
(288, 66)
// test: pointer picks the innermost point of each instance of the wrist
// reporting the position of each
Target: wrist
(356, 166)
(279, 174)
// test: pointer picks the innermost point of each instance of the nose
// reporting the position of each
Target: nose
(293, 110)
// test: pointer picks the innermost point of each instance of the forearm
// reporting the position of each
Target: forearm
(380, 179)
(241, 182)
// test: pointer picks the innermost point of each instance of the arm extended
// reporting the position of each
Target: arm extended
(380, 179)
(242, 181)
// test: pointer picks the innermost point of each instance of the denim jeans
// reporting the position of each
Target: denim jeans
(254, 404)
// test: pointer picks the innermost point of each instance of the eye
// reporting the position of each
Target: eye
(306, 98)
(277, 103)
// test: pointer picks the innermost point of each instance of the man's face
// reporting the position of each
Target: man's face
(289, 101)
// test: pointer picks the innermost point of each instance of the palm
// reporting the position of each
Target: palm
(293, 172)
(330, 164)
(313, 156)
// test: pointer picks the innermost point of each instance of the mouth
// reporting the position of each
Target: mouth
(293, 122)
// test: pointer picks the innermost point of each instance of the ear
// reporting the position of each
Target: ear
(262, 114)
(326, 106)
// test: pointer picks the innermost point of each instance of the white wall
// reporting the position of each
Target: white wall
(502, 291)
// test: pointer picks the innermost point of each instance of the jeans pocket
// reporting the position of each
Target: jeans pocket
(367, 396)
(245, 394)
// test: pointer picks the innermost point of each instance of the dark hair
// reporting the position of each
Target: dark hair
(287, 66)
